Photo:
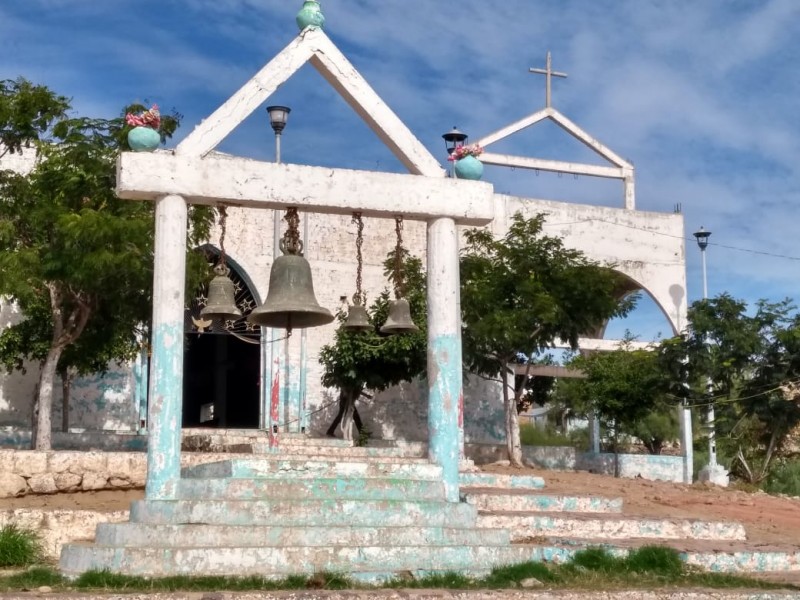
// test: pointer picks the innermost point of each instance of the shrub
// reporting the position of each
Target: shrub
(784, 479)
(19, 547)
(655, 559)
(531, 435)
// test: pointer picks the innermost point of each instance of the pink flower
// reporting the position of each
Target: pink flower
(464, 151)
(149, 118)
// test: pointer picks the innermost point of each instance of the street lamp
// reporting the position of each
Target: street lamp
(712, 472)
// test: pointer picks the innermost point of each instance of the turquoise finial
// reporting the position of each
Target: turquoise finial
(310, 15)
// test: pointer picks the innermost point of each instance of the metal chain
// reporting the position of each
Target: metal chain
(358, 297)
(221, 268)
(398, 258)
(291, 244)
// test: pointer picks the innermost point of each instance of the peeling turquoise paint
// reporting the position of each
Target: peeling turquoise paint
(166, 396)
(140, 378)
(444, 392)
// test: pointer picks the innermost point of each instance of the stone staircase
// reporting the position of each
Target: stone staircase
(312, 505)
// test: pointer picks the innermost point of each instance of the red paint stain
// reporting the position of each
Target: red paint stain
(273, 409)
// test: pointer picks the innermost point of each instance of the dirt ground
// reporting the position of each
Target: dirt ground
(767, 519)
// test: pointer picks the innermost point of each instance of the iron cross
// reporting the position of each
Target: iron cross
(549, 73)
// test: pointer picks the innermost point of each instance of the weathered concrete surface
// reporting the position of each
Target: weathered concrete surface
(59, 527)
(299, 512)
(141, 535)
(498, 480)
(529, 501)
(609, 527)
(355, 488)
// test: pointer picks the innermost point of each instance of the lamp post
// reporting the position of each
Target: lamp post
(452, 140)
(712, 472)
(278, 116)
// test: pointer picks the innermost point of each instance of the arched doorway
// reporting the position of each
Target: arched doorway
(222, 360)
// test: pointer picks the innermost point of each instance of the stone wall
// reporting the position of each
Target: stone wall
(33, 472)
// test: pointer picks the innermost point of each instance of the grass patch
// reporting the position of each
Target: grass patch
(19, 547)
(651, 567)
(105, 580)
(32, 579)
(511, 575)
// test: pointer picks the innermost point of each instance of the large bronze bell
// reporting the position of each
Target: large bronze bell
(357, 319)
(221, 302)
(291, 303)
(399, 319)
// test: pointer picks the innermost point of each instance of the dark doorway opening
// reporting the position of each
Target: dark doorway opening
(221, 360)
(223, 372)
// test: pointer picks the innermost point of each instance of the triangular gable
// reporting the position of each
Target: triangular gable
(566, 125)
(314, 46)
(621, 169)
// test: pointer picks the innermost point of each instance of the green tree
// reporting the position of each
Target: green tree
(76, 259)
(522, 293)
(742, 359)
(358, 362)
(626, 389)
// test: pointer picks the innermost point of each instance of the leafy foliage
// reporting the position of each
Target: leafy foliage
(76, 259)
(520, 294)
(359, 361)
(752, 360)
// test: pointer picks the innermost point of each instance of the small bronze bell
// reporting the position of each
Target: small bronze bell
(221, 302)
(357, 319)
(399, 319)
(291, 303)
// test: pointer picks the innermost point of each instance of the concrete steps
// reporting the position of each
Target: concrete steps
(526, 526)
(312, 467)
(525, 501)
(205, 535)
(302, 512)
(492, 481)
(311, 505)
(319, 488)
(737, 557)
(279, 561)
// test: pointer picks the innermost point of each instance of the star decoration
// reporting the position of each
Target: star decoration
(250, 326)
(247, 305)
(237, 287)
(230, 324)
(201, 300)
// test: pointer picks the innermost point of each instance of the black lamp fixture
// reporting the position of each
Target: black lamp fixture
(702, 238)
(453, 139)
(278, 115)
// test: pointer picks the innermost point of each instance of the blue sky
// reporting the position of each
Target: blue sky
(701, 96)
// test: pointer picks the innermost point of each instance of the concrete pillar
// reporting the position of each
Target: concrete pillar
(687, 443)
(166, 365)
(444, 351)
(594, 434)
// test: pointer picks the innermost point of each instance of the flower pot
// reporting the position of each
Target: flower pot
(469, 167)
(143, 139)
(310, 15)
